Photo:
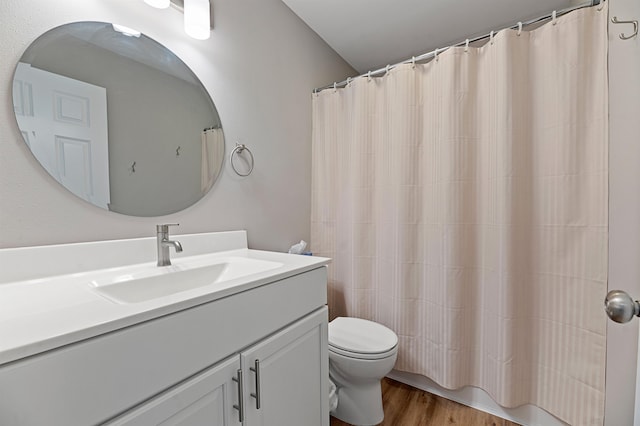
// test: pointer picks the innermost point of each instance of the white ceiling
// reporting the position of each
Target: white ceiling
(370, 34)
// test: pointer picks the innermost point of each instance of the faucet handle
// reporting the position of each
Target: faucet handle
(165, 227)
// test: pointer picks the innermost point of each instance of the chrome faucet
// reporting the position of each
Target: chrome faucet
(163, 243)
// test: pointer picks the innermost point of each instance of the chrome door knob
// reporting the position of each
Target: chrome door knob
(620, 307)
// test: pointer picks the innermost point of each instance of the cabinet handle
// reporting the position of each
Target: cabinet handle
(240, 405)
(256, 395)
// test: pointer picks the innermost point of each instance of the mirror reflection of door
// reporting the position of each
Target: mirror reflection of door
(64, 123)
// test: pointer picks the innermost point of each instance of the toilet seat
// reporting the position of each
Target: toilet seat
(357, 355)
(361, 339)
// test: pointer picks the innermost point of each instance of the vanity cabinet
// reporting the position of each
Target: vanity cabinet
(202, 400)
(284, 376)
(279, 380)
(179, 366)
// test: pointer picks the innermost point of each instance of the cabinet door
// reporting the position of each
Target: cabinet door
(206, 399)
(290, 377)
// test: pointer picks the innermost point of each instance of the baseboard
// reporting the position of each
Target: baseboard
(527, 415)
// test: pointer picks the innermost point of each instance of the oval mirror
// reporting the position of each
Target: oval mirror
(117, 119)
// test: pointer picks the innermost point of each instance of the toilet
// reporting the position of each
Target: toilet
(361, 353)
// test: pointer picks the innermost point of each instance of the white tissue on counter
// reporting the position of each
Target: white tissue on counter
(298, 248)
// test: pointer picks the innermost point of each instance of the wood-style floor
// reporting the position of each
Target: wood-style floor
(407, 406)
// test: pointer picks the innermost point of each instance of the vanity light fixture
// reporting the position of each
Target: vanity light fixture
(197, 15)
(159, 4)
(196, 19)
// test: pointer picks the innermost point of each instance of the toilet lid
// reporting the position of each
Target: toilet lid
(361, 336)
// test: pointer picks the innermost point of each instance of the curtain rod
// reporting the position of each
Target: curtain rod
(432, 53)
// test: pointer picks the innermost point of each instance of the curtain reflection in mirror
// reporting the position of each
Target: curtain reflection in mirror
(212, 153)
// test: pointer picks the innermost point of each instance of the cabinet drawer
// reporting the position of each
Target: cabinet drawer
(94, 380)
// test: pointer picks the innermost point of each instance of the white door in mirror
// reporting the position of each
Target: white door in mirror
(64, 123)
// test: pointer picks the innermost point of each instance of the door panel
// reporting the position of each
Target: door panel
(71, 109)
(73, 162)
(293, 369)
(206, 399)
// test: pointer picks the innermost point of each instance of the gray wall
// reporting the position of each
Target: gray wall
(624, 214)
(259, 66)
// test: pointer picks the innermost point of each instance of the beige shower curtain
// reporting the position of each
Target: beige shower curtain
(212, 157)
(464, 203)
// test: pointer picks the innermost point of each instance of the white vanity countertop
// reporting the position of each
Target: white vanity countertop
(40, 314)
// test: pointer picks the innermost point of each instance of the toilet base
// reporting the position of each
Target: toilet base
(360, 405)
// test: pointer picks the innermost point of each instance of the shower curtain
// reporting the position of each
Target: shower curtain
(212, 157)
(464, 204)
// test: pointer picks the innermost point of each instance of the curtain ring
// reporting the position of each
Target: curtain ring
(348, 81)
(369, 75)
(554, 18)
(519, 28)
(466, 45)
(601, 6)
(491, 37)
(387, 69)
(238, 150)
(335, 89)
(435, 54)
(413, 62)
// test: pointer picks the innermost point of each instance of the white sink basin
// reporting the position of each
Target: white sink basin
(146, 282)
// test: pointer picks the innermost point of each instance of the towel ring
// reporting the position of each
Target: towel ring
(240, 147)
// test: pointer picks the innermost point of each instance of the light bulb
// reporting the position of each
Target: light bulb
(196, 19)
(160, 4)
